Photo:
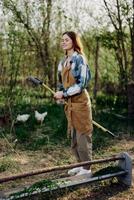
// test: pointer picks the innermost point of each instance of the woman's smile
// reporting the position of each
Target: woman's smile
(66, 43)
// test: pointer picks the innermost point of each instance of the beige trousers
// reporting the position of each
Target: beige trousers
(81, 145)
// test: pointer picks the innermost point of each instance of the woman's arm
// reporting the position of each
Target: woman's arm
(82, 75)
(60, 88)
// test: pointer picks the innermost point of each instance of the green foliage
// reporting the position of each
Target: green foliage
(31, 132)
(33, 135)
(107, 170)
(108, 39)
(108, 119)
(106, 113)
(105, 101)
(7, 164)
(38, 186)
(100, 139)
(23, 132)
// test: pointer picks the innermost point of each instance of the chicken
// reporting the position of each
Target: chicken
(22, 118)
(40, 116)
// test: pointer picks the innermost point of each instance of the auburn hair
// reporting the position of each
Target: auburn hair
(77, 44)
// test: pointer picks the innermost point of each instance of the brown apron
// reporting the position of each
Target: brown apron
(78, 107)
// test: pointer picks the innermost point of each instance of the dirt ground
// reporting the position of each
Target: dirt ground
(61, 155)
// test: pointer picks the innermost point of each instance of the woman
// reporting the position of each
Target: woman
(74, 76)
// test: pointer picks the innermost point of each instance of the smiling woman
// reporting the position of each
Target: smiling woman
(66, 42)
(74, 76)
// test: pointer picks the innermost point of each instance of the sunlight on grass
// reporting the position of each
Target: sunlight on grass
(8, 164)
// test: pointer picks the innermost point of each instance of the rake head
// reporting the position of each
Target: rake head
(34, 80)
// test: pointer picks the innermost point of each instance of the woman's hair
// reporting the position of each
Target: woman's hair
(77, 44)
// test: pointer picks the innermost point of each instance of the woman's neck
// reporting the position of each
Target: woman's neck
(70, 52)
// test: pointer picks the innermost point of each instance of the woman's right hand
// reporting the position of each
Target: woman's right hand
(58, 95)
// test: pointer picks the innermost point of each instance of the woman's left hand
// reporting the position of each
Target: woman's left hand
(58, 95)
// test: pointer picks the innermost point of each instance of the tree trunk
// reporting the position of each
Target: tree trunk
(96, 84)
(131, 99)
(132, 44)
(131, 84)
(120, 50)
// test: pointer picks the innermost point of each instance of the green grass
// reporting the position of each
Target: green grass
(7, 164)
(33, 136)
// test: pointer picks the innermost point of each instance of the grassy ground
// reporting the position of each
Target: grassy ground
(60, 154)
(46, 145)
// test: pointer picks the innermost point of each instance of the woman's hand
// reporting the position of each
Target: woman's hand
(58, 95)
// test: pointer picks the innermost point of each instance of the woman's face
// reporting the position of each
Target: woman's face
(66, 43)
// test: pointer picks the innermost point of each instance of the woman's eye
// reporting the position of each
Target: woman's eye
(66, 40)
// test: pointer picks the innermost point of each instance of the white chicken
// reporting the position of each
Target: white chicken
(22, 118)
(40, 116)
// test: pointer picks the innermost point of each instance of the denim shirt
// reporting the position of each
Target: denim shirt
(81, 72)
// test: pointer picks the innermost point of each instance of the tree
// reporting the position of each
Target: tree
(38, 35)
(122, 19)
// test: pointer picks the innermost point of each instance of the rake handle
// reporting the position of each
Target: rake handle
(95, 123)
(37, 81)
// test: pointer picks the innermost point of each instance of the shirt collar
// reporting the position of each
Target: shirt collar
(75, 53)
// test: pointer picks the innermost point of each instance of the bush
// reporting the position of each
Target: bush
(111, 101)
